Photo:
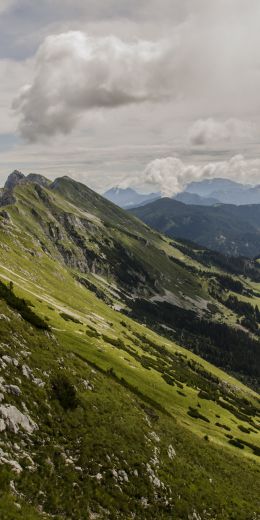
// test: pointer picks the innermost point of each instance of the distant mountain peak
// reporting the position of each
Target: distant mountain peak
(119, 189)
(129, 197)
(225, 191)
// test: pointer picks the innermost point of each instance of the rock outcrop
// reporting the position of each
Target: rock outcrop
(13, 420)
(13, 179)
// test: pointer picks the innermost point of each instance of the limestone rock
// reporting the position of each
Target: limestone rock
(14, 419)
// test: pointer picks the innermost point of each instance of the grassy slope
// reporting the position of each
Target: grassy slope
(197, 478)
(198, 473)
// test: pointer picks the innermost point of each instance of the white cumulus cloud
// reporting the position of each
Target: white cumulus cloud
(211, 131)
(75, 73)
(171, 175)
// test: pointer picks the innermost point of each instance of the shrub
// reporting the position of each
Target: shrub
(223, 426)
(65, 392)
(193, 412)
(68, 317)
(92, 333)
(22, 306)
(116, 342)
(237, 443)
(243, 428)
(169, 380)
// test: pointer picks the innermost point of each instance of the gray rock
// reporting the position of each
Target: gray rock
(13, 179)
(13, 389)
(14, 419)
(171, 452)
(122, 475)
(28, 373)
(38, 179)
(87, 385)
(10, 361)
(4, 317)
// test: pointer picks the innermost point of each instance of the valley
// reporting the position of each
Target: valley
(226, 228)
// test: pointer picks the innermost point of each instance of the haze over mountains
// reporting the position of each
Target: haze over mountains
(128, 197)
(225, 191)
(217, 213)
(206, 193)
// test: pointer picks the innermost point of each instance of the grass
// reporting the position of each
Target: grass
(114, 426)
(91, 311)
(64, 491)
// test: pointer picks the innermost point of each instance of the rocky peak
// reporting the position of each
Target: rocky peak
(13, 179)
(38, 179)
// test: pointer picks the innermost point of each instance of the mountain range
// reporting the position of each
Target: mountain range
(225, 191)
(229, 229)
(207, 192)
(128, 197)
(129, 364)
(195, 199)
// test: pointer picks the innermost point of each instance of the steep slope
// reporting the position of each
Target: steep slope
(232, 230)
(179, 423)
(135, 270)
(78, 441)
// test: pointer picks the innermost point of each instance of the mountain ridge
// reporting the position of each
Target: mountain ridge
(88, 269)
(225, 191)
(227, 228)
(128, 197)
(206, 192)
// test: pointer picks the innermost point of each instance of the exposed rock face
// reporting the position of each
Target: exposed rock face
(38, 179)
(13, 179)
(7, 196)
(5, 459)
(14, 420)
(17, 177)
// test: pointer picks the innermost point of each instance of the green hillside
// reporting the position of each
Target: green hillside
(229, 229)
(104, 413)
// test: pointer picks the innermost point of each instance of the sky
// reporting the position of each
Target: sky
(149, 94)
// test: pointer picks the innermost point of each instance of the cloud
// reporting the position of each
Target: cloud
(210, 131)
(5, 5)
(209, 69)
(75, 73)
(13, 75)
(171, 175)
